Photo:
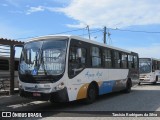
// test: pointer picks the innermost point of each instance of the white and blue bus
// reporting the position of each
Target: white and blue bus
(67, 68)
(149, 69)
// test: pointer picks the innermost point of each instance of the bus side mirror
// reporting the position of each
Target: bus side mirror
(79, 52)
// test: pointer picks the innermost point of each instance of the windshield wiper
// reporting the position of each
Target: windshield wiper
(42, 61)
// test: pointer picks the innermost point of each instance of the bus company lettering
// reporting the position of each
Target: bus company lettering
(92, 75)
(53, 66)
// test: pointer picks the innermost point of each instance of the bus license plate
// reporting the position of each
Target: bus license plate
(36, 94)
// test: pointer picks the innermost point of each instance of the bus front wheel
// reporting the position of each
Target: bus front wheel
(91, 94)
(155, 80)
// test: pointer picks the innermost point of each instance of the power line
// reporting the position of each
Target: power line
(152, 32)
(96, 31)
(69, 31)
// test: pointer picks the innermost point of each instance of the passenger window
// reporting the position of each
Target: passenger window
(117, 60)
(107, 59)
(158, 65)
(96, 57)
(130, 61)
(154, 65)
(135, 62)
(76, 62)
(124, 60)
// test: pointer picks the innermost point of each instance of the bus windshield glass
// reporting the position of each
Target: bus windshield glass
(144, 65)
(43, 57)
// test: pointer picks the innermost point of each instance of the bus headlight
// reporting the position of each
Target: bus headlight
(60, 86)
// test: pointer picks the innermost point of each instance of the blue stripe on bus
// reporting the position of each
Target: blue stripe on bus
(106, 87)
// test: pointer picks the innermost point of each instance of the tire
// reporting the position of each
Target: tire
(52, 100)
(128, 86)
(154, 83)
(91, 94)
(139, 83)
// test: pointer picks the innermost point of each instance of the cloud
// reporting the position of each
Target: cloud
(150, 51)
(112, 13)
(35, 9)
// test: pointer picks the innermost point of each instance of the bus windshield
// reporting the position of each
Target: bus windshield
(144, 65)
(43, 57)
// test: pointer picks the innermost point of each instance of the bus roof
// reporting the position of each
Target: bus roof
(78, 38)
(151, 58)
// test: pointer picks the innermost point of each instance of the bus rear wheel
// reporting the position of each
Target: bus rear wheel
(128, 86)
(91, 94)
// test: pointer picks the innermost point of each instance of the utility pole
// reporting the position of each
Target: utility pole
(88, 31)
(104, 35)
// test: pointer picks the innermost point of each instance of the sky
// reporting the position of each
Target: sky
(132, 24)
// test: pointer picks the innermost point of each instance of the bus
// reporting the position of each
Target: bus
(149, 69)
(5, 73)
(65, 68)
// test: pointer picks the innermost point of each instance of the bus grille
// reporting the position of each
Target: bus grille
(33, 89)
(142, 76)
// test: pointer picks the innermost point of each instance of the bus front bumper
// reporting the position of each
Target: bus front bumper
(146, 80)
(58, 96)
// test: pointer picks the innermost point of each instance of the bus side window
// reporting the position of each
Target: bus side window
(135, 62)
(153, 70)
(153, 66)
(76, 63)
(117, 60)
(96, 57)
(107, 58)
(158, 65)
(124, 60)
(130, 61)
